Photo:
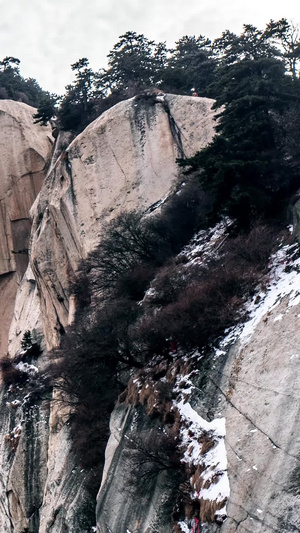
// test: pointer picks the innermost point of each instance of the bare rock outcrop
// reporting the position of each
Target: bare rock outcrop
(132, 477)
(25, 150)
(261, 386)
(124, 160)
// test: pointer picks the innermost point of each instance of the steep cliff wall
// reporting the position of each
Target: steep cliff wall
(126, 159)
(259, 397)
(25, 150)
(250, 380)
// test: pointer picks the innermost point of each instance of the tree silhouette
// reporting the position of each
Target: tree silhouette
(135, 62)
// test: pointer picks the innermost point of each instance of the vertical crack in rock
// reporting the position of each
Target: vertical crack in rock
(68, 167)
(175, 130)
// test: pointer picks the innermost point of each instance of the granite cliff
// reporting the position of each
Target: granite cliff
(125, 160)
(25, 155)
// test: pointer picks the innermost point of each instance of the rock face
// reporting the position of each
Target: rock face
(127, 160)
(25, 150)
(262, 415)
(131, 478)
(124, 160)
(253, 381)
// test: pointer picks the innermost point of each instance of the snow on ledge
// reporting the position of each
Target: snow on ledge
(214, 479)
(284, 280)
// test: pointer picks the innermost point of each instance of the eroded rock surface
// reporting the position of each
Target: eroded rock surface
(261, 383)
(145, 481)
(124, 160)
(127, 160)
(25, 150)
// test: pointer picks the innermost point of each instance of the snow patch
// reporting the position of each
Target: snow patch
(206, 243)
(213, 462)
(284, 280)
(28, 369)
(184, 527)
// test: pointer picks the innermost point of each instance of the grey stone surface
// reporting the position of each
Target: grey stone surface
(126, 159)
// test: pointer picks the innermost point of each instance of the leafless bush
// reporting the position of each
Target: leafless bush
(182, 215)
(12, 375)
(198, 305)
(133, 246)
(155, 451)
(253, 248)
(128, 242)
(134, 284)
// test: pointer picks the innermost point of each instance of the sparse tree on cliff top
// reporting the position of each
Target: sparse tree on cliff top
(287, 36)
(135, 62)
(46, 110)
(190, 66)
(76, 107)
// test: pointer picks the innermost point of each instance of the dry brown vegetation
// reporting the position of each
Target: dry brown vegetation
(11, 375)
(208, 510)
(118, 331)
(12, 439)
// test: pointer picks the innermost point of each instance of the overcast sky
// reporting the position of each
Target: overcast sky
(48, 35)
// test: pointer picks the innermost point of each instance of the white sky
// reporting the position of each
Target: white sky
(48, 35)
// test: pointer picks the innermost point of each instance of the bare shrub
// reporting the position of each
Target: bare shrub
(128, 241)
(133, 246)
(155, 452)
(12, 375)
(182, 215)
(134, 284)
(80, 286)
(86, 368)
(197, 306)
(168, 282)
(255, 247)
(199, 314)
(83, 377)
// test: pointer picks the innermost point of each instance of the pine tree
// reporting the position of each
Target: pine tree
(46, 110)
(77, 107)
(135, 63)
(190, 67)
(247, 167)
